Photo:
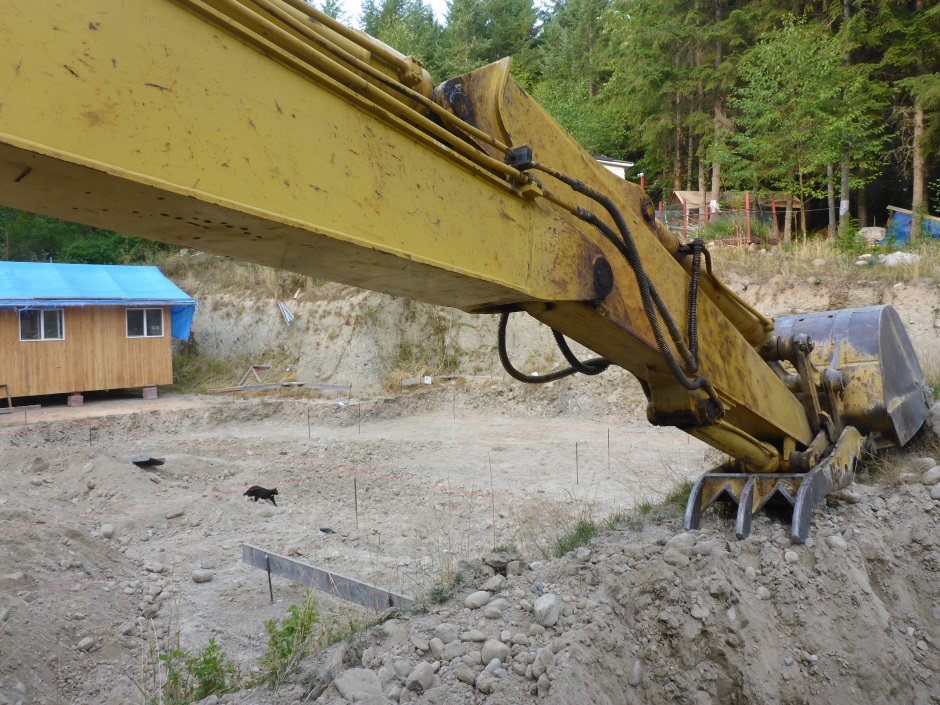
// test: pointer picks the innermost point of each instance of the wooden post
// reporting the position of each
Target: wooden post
(662, 214)
(267, 565)
(747, 215)
(773, 210)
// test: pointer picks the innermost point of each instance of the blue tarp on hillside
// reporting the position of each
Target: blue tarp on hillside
(899, 231)
(45, 285)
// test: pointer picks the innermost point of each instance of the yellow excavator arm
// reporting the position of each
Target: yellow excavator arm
(264, 130)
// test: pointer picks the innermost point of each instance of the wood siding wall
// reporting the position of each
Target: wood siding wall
(95, 354)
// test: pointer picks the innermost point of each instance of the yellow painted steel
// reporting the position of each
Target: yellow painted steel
(203, 124)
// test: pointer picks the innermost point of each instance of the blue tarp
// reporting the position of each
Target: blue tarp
(899, 231)
(46, 285)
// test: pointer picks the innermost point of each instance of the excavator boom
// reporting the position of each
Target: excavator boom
(263, 130)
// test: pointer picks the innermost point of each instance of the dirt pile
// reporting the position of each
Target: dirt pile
(648, 614)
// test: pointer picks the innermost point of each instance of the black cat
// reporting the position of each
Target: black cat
(256, 493)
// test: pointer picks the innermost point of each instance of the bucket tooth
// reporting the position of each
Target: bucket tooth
(742, 523)
(802, 491)
(836, 471)
(707, 489)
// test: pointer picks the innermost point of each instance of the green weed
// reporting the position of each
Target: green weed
(288, 641)
(583, 531)
(192, 677)
(446, 589)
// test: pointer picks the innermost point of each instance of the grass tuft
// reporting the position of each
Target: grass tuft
(583, 531)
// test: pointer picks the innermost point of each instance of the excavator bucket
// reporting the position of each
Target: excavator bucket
(884, 394)
(877, 397)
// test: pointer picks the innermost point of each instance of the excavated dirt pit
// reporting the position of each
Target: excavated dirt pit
(97, 549)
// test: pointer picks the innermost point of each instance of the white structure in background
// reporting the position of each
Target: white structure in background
(616, 166)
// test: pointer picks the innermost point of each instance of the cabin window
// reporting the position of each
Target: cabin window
(42, 324)
(145, 323)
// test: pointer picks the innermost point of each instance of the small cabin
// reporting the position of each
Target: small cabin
(73, 328)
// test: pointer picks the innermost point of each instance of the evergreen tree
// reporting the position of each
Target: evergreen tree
(911, 35)
(479, 32)
(573, 70)
(409, 26)
(800, 110)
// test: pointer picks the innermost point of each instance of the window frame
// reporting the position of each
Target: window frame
(146, 334)
(42, 325)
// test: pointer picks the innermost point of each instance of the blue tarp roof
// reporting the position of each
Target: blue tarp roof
(46, 284)
(899, 230)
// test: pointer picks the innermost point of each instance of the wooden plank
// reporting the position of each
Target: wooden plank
(281, 385)
(362, 593)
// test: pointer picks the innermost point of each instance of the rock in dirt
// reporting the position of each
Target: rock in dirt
(498, 561)
(922, 464)
(544, 659)
(493, 584)
(86, 644)
(477, 599)
(836, 542)
(446, 632)
(683, 543)
(935, 492)
(473, 635)
(420, 678)
(4, 614)
(705, 548)
(174, 513)
(545, 610)
(358, 684)
(38, 465)
(495, 649)
(495, 609)
(932, 476)
(636, 673)
(896, 259)
(543, 686)
(107, 530)
(201, 575)
(672, 556)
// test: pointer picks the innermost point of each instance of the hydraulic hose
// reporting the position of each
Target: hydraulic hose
(593, 366)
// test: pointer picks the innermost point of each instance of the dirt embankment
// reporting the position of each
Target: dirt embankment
(348, 336)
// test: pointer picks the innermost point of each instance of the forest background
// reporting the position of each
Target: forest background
(836, 104)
